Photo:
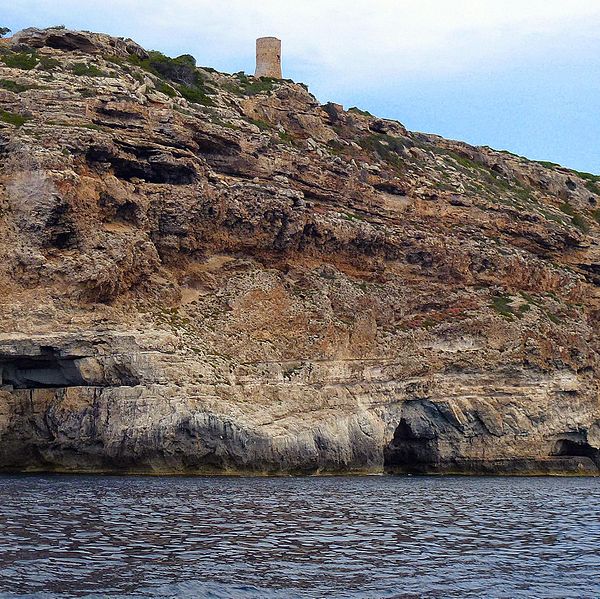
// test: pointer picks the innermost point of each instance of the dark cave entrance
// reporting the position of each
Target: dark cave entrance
(410, 452)
(567, 448)
(46, 370)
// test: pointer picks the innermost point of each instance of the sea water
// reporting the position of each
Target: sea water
(342, 537)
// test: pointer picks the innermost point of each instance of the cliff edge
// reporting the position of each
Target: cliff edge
(203, 272)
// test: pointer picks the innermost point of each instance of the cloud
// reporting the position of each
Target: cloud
(338, 39)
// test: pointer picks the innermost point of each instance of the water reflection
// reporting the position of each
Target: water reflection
(309, 537)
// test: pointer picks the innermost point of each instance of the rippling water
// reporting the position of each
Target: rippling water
(302, 537)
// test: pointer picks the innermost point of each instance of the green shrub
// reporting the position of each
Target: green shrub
(247, 86)
(166, 89)
(21, 60)
(13, 86)
(82, 69)
(195, 94)
(579, 222)
(357, 110)
(47, 63)
(180, 71)
(259, 86)
(28, 60)
(567, 209)
(262, 125)
(547, 164)
(388, 148)
(118, 60)
(12, 118)
(287, 138)
(576, 219)
(4, 31)
(500, 303)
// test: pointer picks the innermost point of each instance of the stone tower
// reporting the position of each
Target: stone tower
(268, 57)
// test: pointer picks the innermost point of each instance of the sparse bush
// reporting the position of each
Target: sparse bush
(181, 71)
(387, 147)
(166, 89)
(501, 303)
(13, 86)
(567, 209)
(195, 94)
(28, 60)
(20, 60)
(287, 138)
(4, 31)
(247, 86)
(579, 222)
(357, 110)
(82, 69)
(262, 125)
(576, 219)
(13, 118)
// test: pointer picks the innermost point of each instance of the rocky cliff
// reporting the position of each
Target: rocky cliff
(204, 272)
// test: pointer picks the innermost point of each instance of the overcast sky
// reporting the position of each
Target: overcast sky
(522, 75)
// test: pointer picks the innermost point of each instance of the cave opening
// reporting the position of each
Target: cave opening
(152, 170)
(44, 371)
(410, 452)
(576, 449)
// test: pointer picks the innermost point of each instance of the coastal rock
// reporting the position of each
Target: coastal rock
(203, 272)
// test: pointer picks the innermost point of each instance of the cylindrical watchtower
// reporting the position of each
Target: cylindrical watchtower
(268, 57)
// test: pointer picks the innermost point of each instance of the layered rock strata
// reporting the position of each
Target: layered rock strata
(203, 272)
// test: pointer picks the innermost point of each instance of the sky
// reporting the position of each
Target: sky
(521, 75)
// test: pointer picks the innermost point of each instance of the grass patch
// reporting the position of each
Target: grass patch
(596, 215)
(12, 118)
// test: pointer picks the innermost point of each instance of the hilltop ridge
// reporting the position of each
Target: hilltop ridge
(205, 272)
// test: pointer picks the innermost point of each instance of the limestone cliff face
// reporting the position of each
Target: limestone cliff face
(204, 272)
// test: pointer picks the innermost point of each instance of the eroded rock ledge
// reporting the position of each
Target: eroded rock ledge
(203, 272)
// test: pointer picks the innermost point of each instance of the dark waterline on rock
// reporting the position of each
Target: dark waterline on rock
(299, 537)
